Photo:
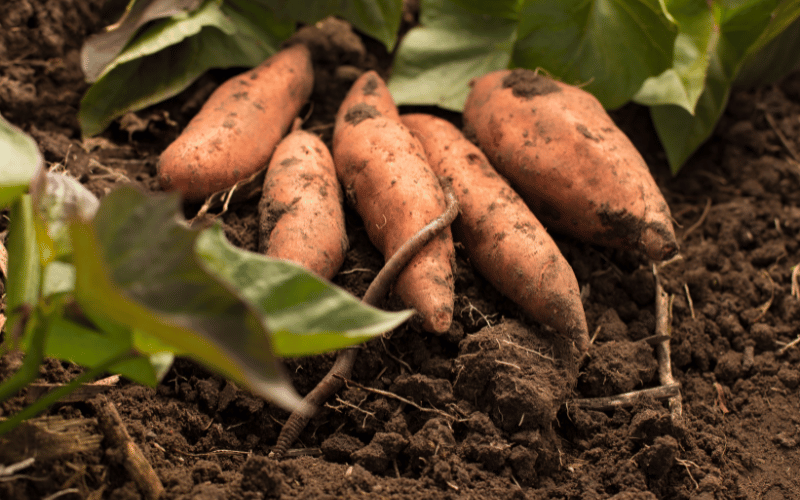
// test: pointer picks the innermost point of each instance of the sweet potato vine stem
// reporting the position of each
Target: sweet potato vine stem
(343, 366)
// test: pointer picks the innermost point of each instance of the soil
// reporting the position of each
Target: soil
(483, 411)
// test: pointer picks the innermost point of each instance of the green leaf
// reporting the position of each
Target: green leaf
(100, 49)
(20, 159)
(436, 60)
(136, 266)
(784, 15)
(306, 315)
(173, 53)
(379, 19)
(58, 277)
(67, 340)
(776, 53)
(683, 83)
(59, 199)
(611, 46)
(739, 24)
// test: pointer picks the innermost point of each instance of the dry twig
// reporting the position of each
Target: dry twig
(663, 319)
(699, 222)
(788, 346)
(689, 300)
(627, 399)
(397, 397)
(786, 144)
(136, 464)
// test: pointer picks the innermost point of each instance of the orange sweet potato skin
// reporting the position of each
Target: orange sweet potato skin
(237, 129)
(503, 239)
(577, 171)
(301, 210)
(386, 178)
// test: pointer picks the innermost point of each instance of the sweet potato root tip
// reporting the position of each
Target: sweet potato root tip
(503, 239)
(382, 168)
(237, 129)
(301, 210)
(562, 152)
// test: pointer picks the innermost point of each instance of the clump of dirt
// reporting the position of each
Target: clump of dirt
(528, 84)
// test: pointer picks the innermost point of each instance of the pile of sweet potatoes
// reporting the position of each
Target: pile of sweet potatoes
(535, 156)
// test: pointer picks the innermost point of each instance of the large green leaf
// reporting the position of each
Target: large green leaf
(305, 314)
(739, 25)
(452, 45)
(59, 199)
(609, 46)
(683, 83)
(136, 266)
(20, 159)
(173, 53)
(100, 49)
(777, 51)
(70, 341)
(379, 19)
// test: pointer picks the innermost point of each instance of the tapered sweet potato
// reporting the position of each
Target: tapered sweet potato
(301, 210)
(503, 239)
(564, 155)
(237, 129)
(386, 178)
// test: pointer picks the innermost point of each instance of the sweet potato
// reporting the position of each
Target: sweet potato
(503, 239)
(237, 129)
(386, 178)
(301, 210)
(564, 155)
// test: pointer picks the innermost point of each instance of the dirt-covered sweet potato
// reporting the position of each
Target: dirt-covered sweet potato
(237, 129)
(504, 241)
(388, 181)
(301, 210)
(564, 155)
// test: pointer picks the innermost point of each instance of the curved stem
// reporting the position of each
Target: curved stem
(343, 366)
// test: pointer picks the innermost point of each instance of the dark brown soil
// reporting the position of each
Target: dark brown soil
(486, 417)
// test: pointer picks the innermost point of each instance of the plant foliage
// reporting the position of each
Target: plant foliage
(124, 284)
(680, 57)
